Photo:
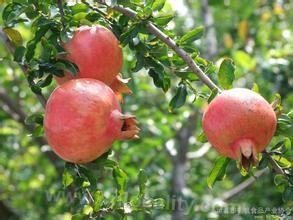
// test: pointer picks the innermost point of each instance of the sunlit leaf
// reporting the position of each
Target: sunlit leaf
(219, 171)
(191, 36)
(226, 73)
(67, 178)
(14, 35)
(98, 198)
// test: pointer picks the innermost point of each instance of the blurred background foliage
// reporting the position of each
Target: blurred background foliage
(257, 35)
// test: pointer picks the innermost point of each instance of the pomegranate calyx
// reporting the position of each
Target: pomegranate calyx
(119, 87)
(129, 129)
(247, 154)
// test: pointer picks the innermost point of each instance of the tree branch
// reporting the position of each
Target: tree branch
(171, 43)
(242, 186)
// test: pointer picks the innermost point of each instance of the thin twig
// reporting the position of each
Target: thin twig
(242, 186)
(171, 43)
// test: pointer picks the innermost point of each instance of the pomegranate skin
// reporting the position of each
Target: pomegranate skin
(96, 52)
(83, 119)
(239, 123)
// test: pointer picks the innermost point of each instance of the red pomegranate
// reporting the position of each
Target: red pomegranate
(239, 123)
(83, 118)
(97, 53)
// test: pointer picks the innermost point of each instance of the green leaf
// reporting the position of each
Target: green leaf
(79, 217)
(45, 82)
(98, 198)
(282, 161)
(67, 179)
(139, 63)
(191, 36)
(11, 12)
(279, 179)
(213, 94)
(36, 89)
(179, 99)
(158, 5)
(219, 170)
(14, 36)
(201, 61)
(263, 163)
(288, 193)
(87, 210)
(202, 138)
(160, 79)
(163, 20)
(87, 174)
(67, 65)
(34, 118)
(191, 76)
(255, 88)
(120, 178)
(38, 132)
(79, 7)
(287, 144)
(31, 45)
(19, 54)
(142, 180)
(226, 73)
(93, 16)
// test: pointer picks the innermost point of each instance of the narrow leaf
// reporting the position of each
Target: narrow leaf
(191, 36)
(120, 179)
(163, 20)
(98, 198)
(142, 180)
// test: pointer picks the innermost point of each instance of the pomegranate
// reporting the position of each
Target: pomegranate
(83, 118)
(239, 123)
(98, 55)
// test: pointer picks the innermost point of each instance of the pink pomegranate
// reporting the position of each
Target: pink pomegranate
(239, 123)
(98, 55)
(83, 118)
